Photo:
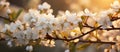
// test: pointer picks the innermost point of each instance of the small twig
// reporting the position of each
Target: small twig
(97, 42)
(86, 33)
(115, 18)
(103, 29)
(6, 19)
(83, 41)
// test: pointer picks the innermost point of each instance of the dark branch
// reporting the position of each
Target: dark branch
(102, 28)
(83, 41)
(6, 19)
(97, 42)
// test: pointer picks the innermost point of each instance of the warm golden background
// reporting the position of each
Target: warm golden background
(72, 5)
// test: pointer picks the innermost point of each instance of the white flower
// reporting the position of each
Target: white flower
(21, 38)
(116, 5)
(34, 13)
(45, 5)
(31, 34)
(81, 13)
(110, 11)
(27, 17)
(33, 20)
(3, 3)
(19, 24)
(72, 17)
(7, 27)
(67, 50)
(88, 13)
(103, 19)
(9, 43)
(13, 27)
(31, 16)
(29, 48)
(9, 11)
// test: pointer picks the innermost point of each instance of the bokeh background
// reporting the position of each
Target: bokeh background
(56, 5)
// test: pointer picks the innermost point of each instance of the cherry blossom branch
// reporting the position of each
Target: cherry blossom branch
(93, 29)
(83, 41)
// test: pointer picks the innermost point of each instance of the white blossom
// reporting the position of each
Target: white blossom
(88, 13)
(72, 17)
(45, 5)
(9, 11)
(9, 43)
(7, 27)
(29, 48)
(104, 19)
(13, 27)
(3, 2)
(67, 50)
(31, 34)
(116, 5)
(31, 16)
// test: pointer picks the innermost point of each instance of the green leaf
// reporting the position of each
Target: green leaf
(14, 15)
(83, 18)
(83, 46)
(6, 21)
(80, 25)
(72, 47)
(17, 14)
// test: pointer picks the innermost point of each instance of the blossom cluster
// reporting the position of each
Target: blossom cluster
(40, 23)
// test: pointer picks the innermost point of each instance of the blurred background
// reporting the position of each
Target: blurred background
(56, 5)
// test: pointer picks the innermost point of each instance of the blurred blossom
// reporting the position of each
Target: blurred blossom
(116, 5)
(67, 50)
(29, 48)
(9, 43)
(44, 6)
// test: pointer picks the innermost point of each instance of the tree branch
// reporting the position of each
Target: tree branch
(102, 28)
(65, 39)
(6, 19)
(97, 42)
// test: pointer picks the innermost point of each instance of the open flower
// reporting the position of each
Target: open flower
(29, 48)
(116, 5)
(72, 17)
(45, 5)
(31, 34)
(88, 13)
(7, 27)
(103, 19)
(31, 16)
(9, 43)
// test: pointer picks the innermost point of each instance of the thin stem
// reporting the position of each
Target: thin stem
(6, 19)
(97, 42)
